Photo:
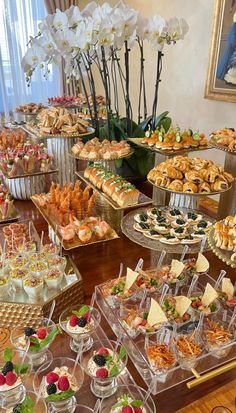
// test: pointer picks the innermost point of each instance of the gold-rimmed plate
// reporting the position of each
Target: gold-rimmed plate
(39, 135)
(221, 147)
(82, 158)
(223, 255)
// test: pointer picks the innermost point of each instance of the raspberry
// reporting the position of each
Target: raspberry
(63, 383)
(99, 360)
(2, 380)
(102, 373)
(137, 410)
(127, 409)
(29, 332)
(103, 351)
(51, 389)
(52, 377)
(73, 320)
(11, 378)
(86, 315)
(41, 333)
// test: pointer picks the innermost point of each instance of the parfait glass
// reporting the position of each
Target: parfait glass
(189, 345)
(215, 343)
(81, 337)
(162, 367)
(38, 355)
(15, 394)
(38, 407)
(62, 366)
(135, 393)
(105, 384)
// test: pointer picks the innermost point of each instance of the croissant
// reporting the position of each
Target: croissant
(219, 185)
(195, 177)
(153, 174)
(172, 172)
(190, 187)
(227, 176)
(176, 185)
(204, 187)
(210, 175)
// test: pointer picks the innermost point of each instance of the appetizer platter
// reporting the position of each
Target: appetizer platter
(11, 138)
(167, 228)
(224, 139)
(95, 150)
(75, 101)
(187, 176)
(105, 182)
(29, 108)
(8, 212)
(70, 213)
(172, 142)
(58, 122)
(222, 240)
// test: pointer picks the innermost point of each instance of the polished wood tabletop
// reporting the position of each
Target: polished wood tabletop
(99, 262)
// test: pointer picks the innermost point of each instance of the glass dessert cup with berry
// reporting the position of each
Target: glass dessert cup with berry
(104, 363)
(129, 399)
(29, 405)
(219, 336)
(79, 323)
(189, 345)
(113, 292)
(57, 382)
(160, 354)
(134, 320)
(40, 338)
(13, 372)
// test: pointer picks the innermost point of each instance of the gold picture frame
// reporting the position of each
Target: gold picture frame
(220, 77)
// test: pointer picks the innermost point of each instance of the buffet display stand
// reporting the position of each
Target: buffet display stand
(207, 366)
(223, 255)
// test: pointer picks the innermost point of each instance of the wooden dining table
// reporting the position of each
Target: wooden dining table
(100, 262)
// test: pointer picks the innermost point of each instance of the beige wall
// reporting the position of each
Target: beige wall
(184, 69)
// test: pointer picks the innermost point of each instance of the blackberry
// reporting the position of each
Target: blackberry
(29, 332)
(81, 322)
(16, 409)
(8, 367)
(51, 388)
(99, 360)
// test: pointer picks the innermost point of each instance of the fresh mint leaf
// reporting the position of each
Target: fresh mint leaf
(114, 371)
(8, 354)
(36, 344)
(21, 369)
(122, 353)
(27, 406)
(81, 311)
(136, 403)
(117, 405)
(61, 396)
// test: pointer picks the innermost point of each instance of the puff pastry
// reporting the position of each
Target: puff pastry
(190, 187)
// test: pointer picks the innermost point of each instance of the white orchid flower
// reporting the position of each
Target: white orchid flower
(89, 9)
(33, 57)
(105, 38)
(60, 20)
(46, 41)
(46, 24)
(75, 16)
(64, 39)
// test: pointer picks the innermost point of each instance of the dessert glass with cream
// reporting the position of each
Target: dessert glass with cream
(128, 396)
(57, 382)
(12, 375)
(104, 363)
(40, 337)
(79, 323)
(29, 405)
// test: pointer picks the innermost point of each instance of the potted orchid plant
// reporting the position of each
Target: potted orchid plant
(99, 39)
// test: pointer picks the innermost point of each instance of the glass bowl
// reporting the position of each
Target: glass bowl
(40, 407)
(172, 315)
(218, 336)
(164, 273)
(104, 376)
(80, 335)
(65, 399)
(38, 350)
(57, 262)
(188, 347)
(112, 291)
(135, 393)
(148, 281)
(14, 394)
(197, 308)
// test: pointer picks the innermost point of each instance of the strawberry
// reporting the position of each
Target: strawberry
(52, 377)
(2, 380)
(103, 351)
(102, 373)
(127, 409)
(63, 383)
(11, 378)
(73, 320)
(41, 333)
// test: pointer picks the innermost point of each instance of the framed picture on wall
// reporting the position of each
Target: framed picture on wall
(221, 77)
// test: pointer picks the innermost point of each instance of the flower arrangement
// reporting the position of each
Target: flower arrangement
(96, 37)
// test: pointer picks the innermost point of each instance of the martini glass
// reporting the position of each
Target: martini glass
(80, 335)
